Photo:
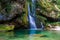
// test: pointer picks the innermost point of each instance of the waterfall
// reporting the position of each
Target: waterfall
(31, 15)
(42, 26)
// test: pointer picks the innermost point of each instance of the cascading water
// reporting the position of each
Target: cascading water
(42, 26)
(31, 15)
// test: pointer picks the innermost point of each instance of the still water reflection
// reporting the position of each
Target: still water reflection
(30, 35)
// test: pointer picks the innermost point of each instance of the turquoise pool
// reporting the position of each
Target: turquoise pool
(30, 35)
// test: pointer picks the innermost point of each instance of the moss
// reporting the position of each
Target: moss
(6, 27)
(25, 16)
(46, 5)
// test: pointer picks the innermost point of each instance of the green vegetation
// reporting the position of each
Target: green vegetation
(6, 27)
(48, 9)
(17, 11)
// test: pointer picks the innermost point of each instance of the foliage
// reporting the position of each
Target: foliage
(46, 7)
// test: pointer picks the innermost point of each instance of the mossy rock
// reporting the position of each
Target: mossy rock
(6, 27)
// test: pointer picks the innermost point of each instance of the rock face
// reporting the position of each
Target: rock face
(48, 12)
(14, 12)
(50, 9)
(5, 27)
(10, 10)
(11, 13)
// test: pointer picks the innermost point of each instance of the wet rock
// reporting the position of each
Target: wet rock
(40, 35)
(44, 36)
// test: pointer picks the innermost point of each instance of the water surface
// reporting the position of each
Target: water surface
(30, 35)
